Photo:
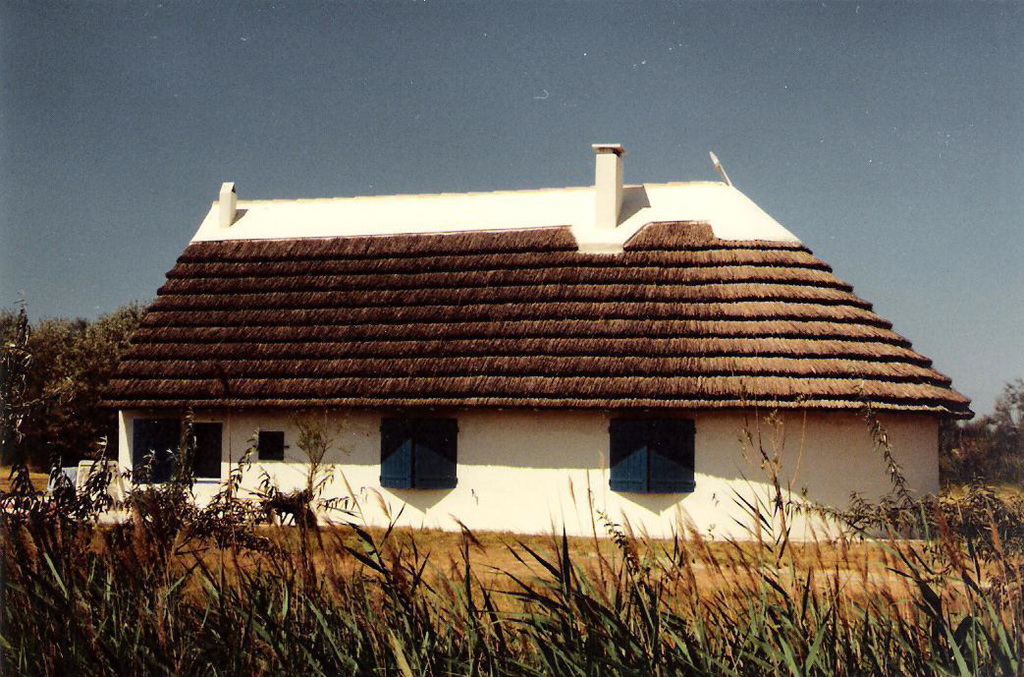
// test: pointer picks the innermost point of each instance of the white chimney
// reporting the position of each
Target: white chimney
(228, 205)
(607, 184)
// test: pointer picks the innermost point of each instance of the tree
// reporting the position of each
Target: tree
(61, 368)
(991, 448)
(1006, 430)
(15, 365)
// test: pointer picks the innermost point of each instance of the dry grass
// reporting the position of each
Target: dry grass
(39, 479)
(1005, 491)
(865, 569)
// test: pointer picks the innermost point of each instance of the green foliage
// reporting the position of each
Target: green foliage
(989, 449)
(58, 367)
(15, 364)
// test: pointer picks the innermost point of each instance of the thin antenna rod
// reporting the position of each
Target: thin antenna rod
(720, 168)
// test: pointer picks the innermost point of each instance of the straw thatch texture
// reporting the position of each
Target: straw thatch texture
(519, 319)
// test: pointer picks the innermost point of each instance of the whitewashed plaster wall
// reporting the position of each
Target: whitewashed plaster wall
(529, 472)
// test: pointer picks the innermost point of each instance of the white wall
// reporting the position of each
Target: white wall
(529, 471)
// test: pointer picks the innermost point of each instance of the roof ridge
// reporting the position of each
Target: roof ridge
(471, 193)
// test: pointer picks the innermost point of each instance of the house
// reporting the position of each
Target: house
(526, 359)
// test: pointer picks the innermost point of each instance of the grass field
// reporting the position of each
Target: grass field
(497, 559)
(1004, 491)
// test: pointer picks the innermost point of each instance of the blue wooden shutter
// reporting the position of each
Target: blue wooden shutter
(671, 449)
(395, 453)
(628, 455)
(160, 438)
(208, 450)
(436, 453)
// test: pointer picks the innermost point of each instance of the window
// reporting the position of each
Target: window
(156, 440)
(271, 445)
(418, 453)
(652, 456)
(208, 450)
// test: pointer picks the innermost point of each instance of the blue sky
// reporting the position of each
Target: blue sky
(889, 137)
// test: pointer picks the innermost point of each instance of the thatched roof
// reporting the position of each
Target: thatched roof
(519, 319)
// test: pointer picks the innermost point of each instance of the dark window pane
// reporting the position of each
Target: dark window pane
(671, 456)
(271, 445)
(628, 464)
(208, 450)
(435, 453)
(156, 440)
